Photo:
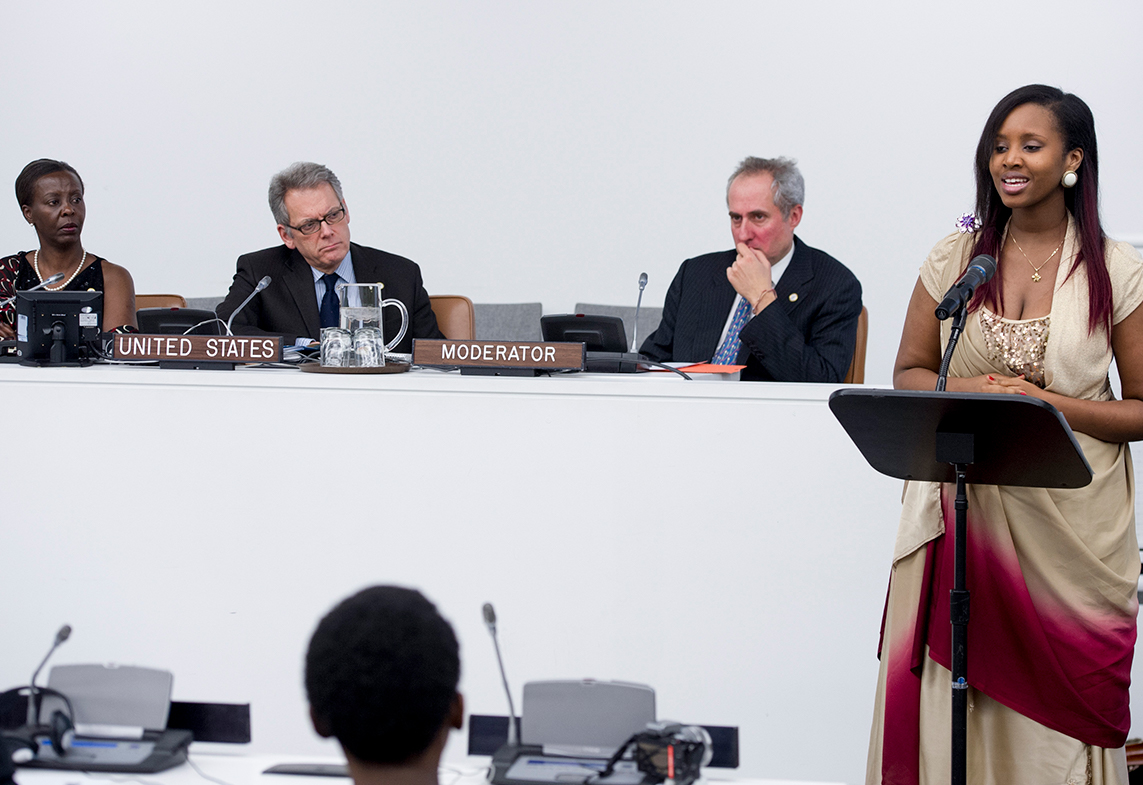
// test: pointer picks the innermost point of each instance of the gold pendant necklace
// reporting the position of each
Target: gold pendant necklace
(1036, 270)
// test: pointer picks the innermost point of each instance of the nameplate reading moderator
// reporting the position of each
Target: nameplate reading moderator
(499, 354)
(217, 348)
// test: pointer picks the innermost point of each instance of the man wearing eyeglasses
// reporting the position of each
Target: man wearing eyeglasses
(316, 256)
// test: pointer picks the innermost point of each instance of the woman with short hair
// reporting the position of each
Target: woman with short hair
(50, 194)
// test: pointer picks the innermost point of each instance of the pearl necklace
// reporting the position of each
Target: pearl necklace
(36, 267)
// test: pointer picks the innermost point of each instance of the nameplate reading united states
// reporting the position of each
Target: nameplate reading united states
(499, 354)
(214, 348)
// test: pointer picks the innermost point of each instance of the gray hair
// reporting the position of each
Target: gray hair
(298, 176)
(789, 188)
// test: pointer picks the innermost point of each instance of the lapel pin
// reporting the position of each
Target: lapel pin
(794, 297)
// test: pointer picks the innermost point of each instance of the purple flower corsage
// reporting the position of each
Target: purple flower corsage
(968, 223)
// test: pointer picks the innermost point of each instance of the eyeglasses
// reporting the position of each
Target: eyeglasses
(312, 226)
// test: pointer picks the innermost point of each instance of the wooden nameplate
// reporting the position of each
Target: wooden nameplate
(499, 357)
(198, 351)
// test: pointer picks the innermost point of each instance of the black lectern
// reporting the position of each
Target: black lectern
(983, 438)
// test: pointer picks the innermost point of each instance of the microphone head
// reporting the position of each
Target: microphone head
(63, 634)
(987, 264)
(489, 615)
(642, 281)
(263, 283)
(54, 279)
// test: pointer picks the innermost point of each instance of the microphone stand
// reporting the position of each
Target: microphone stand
(513, 738)
(959, 453)
(635, 321)
(262, 284)
(490, 622)
(959, 318)
(622, 362)
(33, 714)
(33, 710)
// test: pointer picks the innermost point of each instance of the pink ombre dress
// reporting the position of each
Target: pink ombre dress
(1053, 573)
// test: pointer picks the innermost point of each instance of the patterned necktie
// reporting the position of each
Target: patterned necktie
(329, 309)
(728, 352)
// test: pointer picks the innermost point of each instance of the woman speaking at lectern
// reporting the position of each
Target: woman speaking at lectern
(50, 194)
(1052, 573)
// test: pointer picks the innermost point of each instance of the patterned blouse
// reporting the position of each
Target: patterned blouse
(9, 266)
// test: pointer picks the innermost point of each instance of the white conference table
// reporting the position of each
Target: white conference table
(721, 541)
(242, 769)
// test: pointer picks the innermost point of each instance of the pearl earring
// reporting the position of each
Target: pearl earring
(1069, 179)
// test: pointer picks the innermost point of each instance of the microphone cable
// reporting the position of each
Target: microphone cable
(198, 771)
(667, 367)
(205, 321)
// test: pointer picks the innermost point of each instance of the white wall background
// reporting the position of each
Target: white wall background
(545, 151)
(550, 151)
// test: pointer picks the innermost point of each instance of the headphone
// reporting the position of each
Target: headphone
(61, 732)
(666, 750)
(23, 744)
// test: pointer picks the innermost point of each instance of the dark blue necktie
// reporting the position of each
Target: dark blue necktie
(329, 310)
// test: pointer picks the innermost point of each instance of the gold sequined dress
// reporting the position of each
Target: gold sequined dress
(1017, 343)
(1052, 573)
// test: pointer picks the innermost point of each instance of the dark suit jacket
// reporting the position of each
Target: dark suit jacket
(288, 306)
(807, 339)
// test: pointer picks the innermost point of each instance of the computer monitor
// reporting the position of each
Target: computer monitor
(58, 328)
(597, 333)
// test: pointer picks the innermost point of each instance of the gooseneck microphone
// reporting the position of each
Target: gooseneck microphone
(48, 282)
(61, 636)
(955, 304)
(638, 305)
(490, 623)
(51, 279)
(979, 272)
(261, 285)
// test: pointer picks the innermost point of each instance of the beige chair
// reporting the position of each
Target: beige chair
(856, 374)
(455, 317)
(159, 301)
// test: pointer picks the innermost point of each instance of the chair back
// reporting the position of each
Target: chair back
(856, 373)
(508, 321)
(204, 303)
(454, 314)
(159, 301)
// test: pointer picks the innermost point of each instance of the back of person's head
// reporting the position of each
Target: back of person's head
(381, 674)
